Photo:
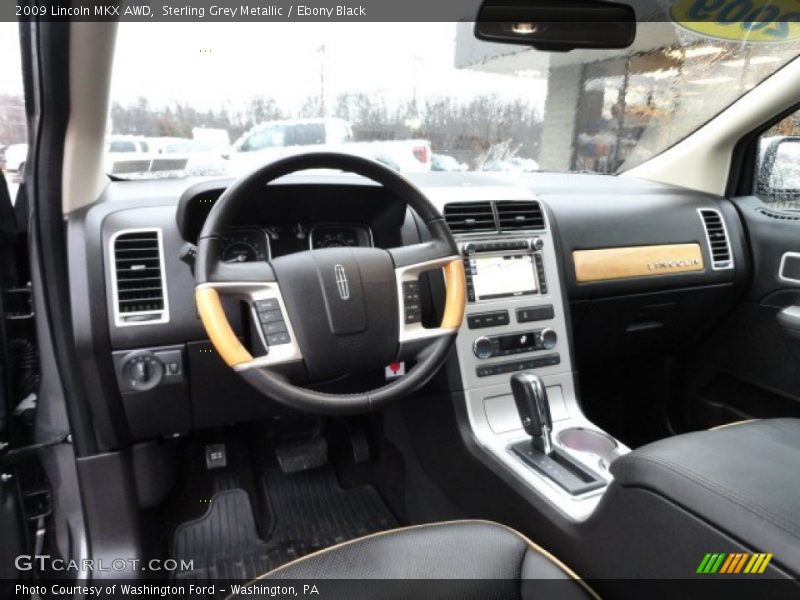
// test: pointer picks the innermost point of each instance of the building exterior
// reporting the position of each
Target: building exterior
(604, 109)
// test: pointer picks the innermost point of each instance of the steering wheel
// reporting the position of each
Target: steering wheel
(330, 311)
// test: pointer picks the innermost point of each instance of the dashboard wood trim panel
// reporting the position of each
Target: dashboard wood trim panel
(604, 264)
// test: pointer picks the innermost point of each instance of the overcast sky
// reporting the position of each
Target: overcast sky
(211, 64)
(10, 71)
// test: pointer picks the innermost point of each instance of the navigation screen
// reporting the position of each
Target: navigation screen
(503, 276)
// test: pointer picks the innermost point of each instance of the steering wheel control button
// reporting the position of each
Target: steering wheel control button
(413, 316)
(547, 360)
(278, 339)
(412, 302)
(535, 313)
(273, 327)
(488, 319)
(411, 291)
(268, 316)
(267, 305)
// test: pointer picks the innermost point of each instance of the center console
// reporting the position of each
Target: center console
(516, 322)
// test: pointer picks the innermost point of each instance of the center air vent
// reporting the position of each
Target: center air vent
(519, 215)
(717, 238)
(469, 217)
(138, 283)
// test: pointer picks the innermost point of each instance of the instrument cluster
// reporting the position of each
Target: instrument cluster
(256, 243)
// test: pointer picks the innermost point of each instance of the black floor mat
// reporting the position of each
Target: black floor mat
(310, 510)
(223, 543)
(307, 511)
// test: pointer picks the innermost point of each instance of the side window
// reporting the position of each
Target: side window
(13, 127)
(122, 146)
(307, 134)
(778, 170)
(266, 138)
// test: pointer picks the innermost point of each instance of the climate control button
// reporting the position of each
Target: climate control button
(483, 347)
(549, 339)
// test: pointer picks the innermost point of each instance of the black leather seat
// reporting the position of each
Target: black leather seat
(740, 480)
(460, 559)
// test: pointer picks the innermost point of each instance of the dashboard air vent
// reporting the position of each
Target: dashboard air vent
(138, 283)
(469, 217)
(519, 215)
(717, 238)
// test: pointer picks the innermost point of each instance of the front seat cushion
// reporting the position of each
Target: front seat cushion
(479, 559)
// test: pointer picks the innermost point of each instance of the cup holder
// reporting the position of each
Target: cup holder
(590, 441)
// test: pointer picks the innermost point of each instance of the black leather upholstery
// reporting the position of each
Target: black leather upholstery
(741, 479)
(476, 559)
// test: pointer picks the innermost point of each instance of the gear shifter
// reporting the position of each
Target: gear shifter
(538, 453)
(530, 396)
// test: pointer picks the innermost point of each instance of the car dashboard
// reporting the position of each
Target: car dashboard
(524, 241)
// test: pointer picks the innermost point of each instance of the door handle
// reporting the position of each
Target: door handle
(789, 319)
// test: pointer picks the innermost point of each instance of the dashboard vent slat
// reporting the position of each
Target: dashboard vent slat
(717, 239)
(514, 216)
(469, 217)
(138, 278)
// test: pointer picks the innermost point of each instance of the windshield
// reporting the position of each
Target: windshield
(214, 98)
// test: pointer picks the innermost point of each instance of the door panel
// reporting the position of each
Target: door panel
(750, 368)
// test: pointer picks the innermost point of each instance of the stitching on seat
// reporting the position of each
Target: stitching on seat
(756, 509)
(538, 549)
(530, 544)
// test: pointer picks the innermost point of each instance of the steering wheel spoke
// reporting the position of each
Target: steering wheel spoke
(268, 311)
(409, 299)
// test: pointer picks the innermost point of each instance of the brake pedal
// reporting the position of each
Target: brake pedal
(302, 455)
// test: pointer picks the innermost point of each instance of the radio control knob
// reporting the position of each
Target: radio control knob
(537, 244)
(548, 338)
(482, 347)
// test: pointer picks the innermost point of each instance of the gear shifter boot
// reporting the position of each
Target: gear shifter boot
(560, 467)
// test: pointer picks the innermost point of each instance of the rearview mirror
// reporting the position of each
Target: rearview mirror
(557, 25)
(779, 168)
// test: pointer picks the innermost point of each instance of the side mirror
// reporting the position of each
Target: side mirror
(779, 168)
(557, 25)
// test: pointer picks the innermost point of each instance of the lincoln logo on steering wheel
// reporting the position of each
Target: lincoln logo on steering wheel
(341, 282)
